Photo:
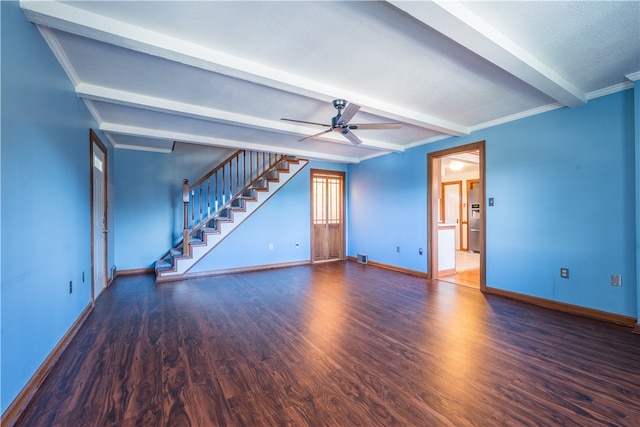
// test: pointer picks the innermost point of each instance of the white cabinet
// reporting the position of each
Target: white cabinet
(446, 249)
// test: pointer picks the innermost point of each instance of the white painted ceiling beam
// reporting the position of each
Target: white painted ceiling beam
(70, 19)
(458, 23)
(131, 99)
(219, 142)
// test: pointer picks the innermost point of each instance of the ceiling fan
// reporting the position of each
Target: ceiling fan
(340, 123)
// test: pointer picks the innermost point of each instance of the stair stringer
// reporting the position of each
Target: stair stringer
(182, 263)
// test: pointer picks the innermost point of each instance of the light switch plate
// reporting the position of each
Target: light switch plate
(616, 280)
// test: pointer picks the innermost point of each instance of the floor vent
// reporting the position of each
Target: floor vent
(363, 259)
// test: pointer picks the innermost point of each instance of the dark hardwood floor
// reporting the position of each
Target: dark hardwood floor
(470, 278)
(335, 344)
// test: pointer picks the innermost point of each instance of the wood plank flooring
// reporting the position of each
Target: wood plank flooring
(335, 344)
(469, 278)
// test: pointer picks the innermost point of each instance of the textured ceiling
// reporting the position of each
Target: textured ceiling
(224, 73)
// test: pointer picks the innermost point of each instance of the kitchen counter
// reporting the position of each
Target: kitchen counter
(446, 249)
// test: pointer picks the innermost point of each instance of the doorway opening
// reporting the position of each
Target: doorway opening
(327, 215)
(456, 215)
(99, 228)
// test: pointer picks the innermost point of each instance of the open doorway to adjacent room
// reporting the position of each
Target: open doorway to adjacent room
(456, 215)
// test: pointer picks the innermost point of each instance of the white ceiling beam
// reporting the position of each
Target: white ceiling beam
(136, 100)
(219, 142)
(458, 23)
(71, 19)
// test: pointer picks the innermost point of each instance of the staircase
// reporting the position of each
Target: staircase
(222, 200)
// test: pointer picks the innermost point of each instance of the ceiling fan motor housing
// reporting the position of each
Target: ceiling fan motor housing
(339, 103)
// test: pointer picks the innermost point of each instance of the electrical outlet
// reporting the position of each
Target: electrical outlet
(564, 273)
(616, 280)
(397, 248)
(297, 244)
(270, 246)
(420, 251)
(70, 286)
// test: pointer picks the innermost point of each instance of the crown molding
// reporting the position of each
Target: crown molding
(633, 76)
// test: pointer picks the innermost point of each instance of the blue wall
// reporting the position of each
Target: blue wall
(149, 211)
(388, 208)
(46, 236)
(636, 103)
(563, 184)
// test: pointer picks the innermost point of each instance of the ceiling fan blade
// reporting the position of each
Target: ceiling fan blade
(351, 137)
(303, 121)
(315, 135)
(376, 126)
(349, 112)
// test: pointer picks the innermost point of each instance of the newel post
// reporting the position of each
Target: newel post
(185, 230)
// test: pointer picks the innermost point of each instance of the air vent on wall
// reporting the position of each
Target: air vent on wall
(363, 259)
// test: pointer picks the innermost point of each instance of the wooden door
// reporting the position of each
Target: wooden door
(99, 227)
(327, 215)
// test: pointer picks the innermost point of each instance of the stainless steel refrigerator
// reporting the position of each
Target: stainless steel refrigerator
(475, 222)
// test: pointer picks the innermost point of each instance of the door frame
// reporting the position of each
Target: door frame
(433, 193)
(94, 141)
(342, 176)
(443, 210)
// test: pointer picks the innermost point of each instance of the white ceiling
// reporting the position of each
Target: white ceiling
(223, 73)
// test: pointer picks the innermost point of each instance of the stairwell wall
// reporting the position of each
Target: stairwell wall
(149, 210)
(563, 184)
(282, 221)
(45, 199)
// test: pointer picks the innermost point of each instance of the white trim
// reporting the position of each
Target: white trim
(110, 139)
(378, 154)
(94, 111)
(518, 116)
(163, 105)
(142, 148)
(68, 18)
(461, 25)
(52, 41)
(218, 142)
(428, 140)
(609, 90)
(633, 76)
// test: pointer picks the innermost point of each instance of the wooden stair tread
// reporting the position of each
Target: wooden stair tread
(237, 204)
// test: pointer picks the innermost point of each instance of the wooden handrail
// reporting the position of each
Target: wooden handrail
(245, 188)
(216, 169)
(217, 189)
